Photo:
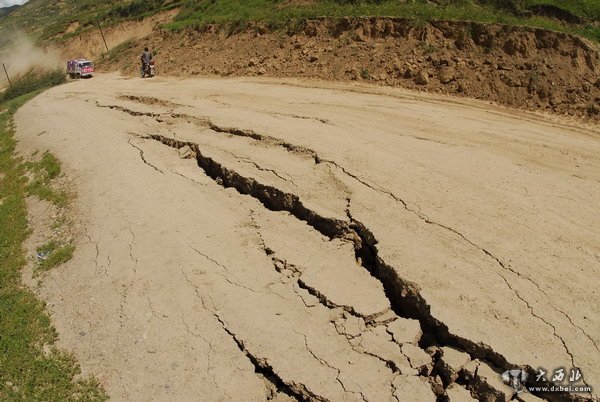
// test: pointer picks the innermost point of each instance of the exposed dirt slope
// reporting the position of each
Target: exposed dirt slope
(520, 67)
(244, 240)
(90, 44)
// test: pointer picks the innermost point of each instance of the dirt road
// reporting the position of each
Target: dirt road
(246, 240)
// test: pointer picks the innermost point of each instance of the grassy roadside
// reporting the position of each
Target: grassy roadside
(59, 249)
(276, 14)
(31, 82)
(30, 367)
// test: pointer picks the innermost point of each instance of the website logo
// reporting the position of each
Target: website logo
(516, 379)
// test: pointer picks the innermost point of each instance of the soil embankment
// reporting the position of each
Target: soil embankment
(519, 67)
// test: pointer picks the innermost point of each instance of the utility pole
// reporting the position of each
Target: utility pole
(6, 72)
(104, 39)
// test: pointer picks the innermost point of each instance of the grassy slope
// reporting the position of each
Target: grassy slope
(44, 19)
(199, 13)
(30, 368)
(51, 18)
(586, 9)
(7, 10)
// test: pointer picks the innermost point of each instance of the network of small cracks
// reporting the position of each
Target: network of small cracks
(483, 350)
(267, 250)
(293, 115)
(327, 364)
(143, 157)
(262, 169)
(282, 265)
(318, 160)
(209, 355)
(261, 365)
(425, 219)
(121, 289)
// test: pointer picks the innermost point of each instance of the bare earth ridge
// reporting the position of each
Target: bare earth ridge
(242, 239)
(518, 67)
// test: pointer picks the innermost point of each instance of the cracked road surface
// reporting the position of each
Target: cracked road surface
(249, 240)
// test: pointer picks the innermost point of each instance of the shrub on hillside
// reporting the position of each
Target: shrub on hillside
(136, 8)
(33, 81)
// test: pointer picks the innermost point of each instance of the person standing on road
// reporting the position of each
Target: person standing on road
(146, 58)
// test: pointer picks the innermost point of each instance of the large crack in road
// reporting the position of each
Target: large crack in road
(403, 295)
(308, 152)
(341, 280)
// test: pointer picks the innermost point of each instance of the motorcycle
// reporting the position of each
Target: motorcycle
(148, 69)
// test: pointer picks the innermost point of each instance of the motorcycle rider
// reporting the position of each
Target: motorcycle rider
(146, 58)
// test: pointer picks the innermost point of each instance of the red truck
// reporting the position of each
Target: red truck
(80, 68)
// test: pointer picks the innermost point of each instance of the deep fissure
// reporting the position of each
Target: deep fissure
(404, 296)
(260, 367)
(263, 368)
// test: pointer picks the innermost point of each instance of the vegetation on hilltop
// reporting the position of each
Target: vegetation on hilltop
(52, 18)
(47, 19)
(556, 15)
(7, 10)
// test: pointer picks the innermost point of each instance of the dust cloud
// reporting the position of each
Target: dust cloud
(19, 55)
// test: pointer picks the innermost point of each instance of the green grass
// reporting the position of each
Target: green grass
(28, 371)
(44, 191)
(48, 166)
(49, 19)
(56, 254)
(120, 48)
(586, 9)
(43, 172)
(200, 13)
(33, 81)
